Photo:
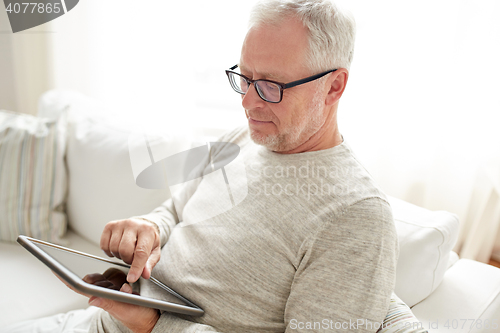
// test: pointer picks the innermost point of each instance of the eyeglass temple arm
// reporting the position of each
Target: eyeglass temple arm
(308, 79)
(298, 82)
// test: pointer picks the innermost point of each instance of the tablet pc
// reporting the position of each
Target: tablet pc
(73, 266)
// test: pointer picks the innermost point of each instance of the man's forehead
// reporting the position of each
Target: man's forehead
(268, 74)
(275, 52)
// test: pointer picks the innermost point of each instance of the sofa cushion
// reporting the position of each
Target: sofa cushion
(101, 182)
(32, 176)
(101, 185)
(426, 239)
(467, 301)
(30, 290)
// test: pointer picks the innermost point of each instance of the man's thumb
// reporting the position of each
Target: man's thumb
(97, 302)
(113, 307)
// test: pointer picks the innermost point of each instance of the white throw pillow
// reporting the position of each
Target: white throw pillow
(426, 239)
(400, 319)
(32, 176)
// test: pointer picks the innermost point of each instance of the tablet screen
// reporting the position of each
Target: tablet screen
(85, 267)
(103, 272)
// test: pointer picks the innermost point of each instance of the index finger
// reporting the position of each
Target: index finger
(144, 246)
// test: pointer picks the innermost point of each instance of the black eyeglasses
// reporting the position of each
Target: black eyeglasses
(269, 91)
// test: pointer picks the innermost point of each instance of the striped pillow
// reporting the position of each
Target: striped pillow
(400, 319)
(32, 176)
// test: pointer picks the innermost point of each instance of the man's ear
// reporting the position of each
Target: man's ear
(336, 83)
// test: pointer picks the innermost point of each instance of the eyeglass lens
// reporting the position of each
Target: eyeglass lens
(268, 91)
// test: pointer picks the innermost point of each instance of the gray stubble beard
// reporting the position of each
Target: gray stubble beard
(297, 136)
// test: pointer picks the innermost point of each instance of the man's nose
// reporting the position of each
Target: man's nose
(252, 99)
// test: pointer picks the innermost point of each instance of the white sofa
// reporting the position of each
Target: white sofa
(445, 293)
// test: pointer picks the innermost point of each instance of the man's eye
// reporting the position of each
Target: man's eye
(270, 86)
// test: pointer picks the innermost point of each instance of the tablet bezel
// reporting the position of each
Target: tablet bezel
(77, 283)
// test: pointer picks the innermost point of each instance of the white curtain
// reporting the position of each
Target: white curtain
(25, 71)
(423, 105)
(421, 108)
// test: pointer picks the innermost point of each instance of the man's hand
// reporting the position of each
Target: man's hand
(135, 241)
(137, 318)
(112, 278)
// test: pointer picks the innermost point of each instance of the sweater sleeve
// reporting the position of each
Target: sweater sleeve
(346, 272)
(168, 214)
(165, 217)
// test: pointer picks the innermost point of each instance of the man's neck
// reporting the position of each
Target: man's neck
(328, 136)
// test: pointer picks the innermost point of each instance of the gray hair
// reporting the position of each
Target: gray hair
(331, 29)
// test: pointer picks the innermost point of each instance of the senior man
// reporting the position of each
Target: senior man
(281, 260)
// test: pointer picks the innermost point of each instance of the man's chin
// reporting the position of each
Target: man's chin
(270, 141)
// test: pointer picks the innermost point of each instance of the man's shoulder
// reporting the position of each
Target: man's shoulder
(347, 178)
(375, 205)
